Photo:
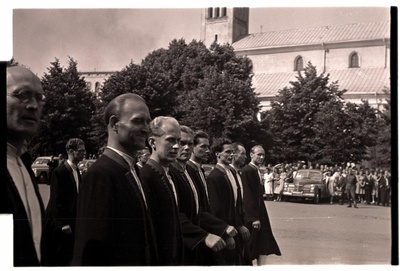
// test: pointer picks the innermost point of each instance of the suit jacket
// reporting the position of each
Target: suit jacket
(223, 206)
(61, 211)
(193, 234)
(262, 242)
(113, 225)
(166, 220)
(24, 249)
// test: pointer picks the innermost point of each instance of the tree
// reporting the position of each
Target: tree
(310, 121)
(384, 139)
(67, 112)
(203, 88)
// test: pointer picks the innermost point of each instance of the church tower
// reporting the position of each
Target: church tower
(224, 25)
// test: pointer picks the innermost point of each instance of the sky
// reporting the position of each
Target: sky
(108, 39)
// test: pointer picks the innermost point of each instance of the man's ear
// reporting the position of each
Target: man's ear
(152, 144)
(114, 123)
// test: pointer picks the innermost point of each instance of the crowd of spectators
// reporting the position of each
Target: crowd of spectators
(372, 186)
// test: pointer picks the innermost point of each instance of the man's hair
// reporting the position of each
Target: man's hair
(73, 144)
(115, 106)
(218, 144)
(156, 124)
(199, 134)
(254, 148)
(236, 146)
(187, 130)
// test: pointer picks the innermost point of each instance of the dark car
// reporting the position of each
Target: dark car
(41, 169)
(85, 164)
(307, 184)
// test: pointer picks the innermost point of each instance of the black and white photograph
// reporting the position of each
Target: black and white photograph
(207, 134)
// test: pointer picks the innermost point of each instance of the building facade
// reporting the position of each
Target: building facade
(355, 55)
(95, 79)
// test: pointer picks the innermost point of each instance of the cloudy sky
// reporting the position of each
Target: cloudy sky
(108, 39)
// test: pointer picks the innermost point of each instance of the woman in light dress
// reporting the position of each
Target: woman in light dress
(279, 186)
(268, 184)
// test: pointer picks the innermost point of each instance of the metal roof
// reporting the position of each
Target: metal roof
(357, 80)
(318, 35)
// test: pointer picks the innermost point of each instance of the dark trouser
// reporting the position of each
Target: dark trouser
(384, 196)
(368, 194)
(351, 195)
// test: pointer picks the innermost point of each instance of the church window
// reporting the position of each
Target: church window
(223, 12)
(97, 87)
(210, 13)
(88, 85)
(298, 63)
(216, 12)
(216, 38)
(354, 60)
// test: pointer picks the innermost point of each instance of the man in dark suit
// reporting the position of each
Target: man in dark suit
(384, 187)
(114, 225)
(25, 101)
(59, 229)
(208, 221)
(196, 237)
(226, 199)
(262, 241)
(164, 141)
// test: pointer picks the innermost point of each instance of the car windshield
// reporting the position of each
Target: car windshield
(312, 175)
(41, 161)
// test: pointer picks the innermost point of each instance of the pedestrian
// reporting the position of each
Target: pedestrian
(279, 185)
(25, 101)
(142, 157)
(351, 182)
(262, 241)
(196, 238)
(369, 183)
(59, 229)
(226, 199)
(114, 225)
(268, 184)
(61, 159)
(384, 187)
(331, 183)
(200, 154)
(52, 164)
(164, 141)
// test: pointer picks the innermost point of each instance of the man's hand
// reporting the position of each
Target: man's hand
(214, 242)
(244, 232)
(66, 229)
(231, 231)
(230, 243)
(257, 224)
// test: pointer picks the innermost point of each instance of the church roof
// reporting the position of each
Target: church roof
(365, 80)
(318, 35)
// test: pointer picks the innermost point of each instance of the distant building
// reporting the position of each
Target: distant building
(95, 80)
(355, 55)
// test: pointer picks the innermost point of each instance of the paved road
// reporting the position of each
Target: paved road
(324, 233)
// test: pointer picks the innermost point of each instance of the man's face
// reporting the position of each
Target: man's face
(144, 157)
(133, 125)
(226, 155)
(202, 149)
(166, 147)
(258, 156)
(240, 156)
(186, 147)
(78, 154)
(23, 117)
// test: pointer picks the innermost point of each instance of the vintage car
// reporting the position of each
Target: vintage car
(41, 169)
(306, 184)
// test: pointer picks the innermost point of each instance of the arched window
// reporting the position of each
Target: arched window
(298, 63)
(223, 12)
(210, 13)
(89, 86)
(97, 87)
(354, 60)
(216, 11)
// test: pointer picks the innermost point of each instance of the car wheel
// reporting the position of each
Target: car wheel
(317, 197)
(43, 177)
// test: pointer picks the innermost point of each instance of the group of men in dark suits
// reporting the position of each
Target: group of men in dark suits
(165, 213)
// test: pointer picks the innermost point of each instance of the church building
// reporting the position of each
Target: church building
(356, 55)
